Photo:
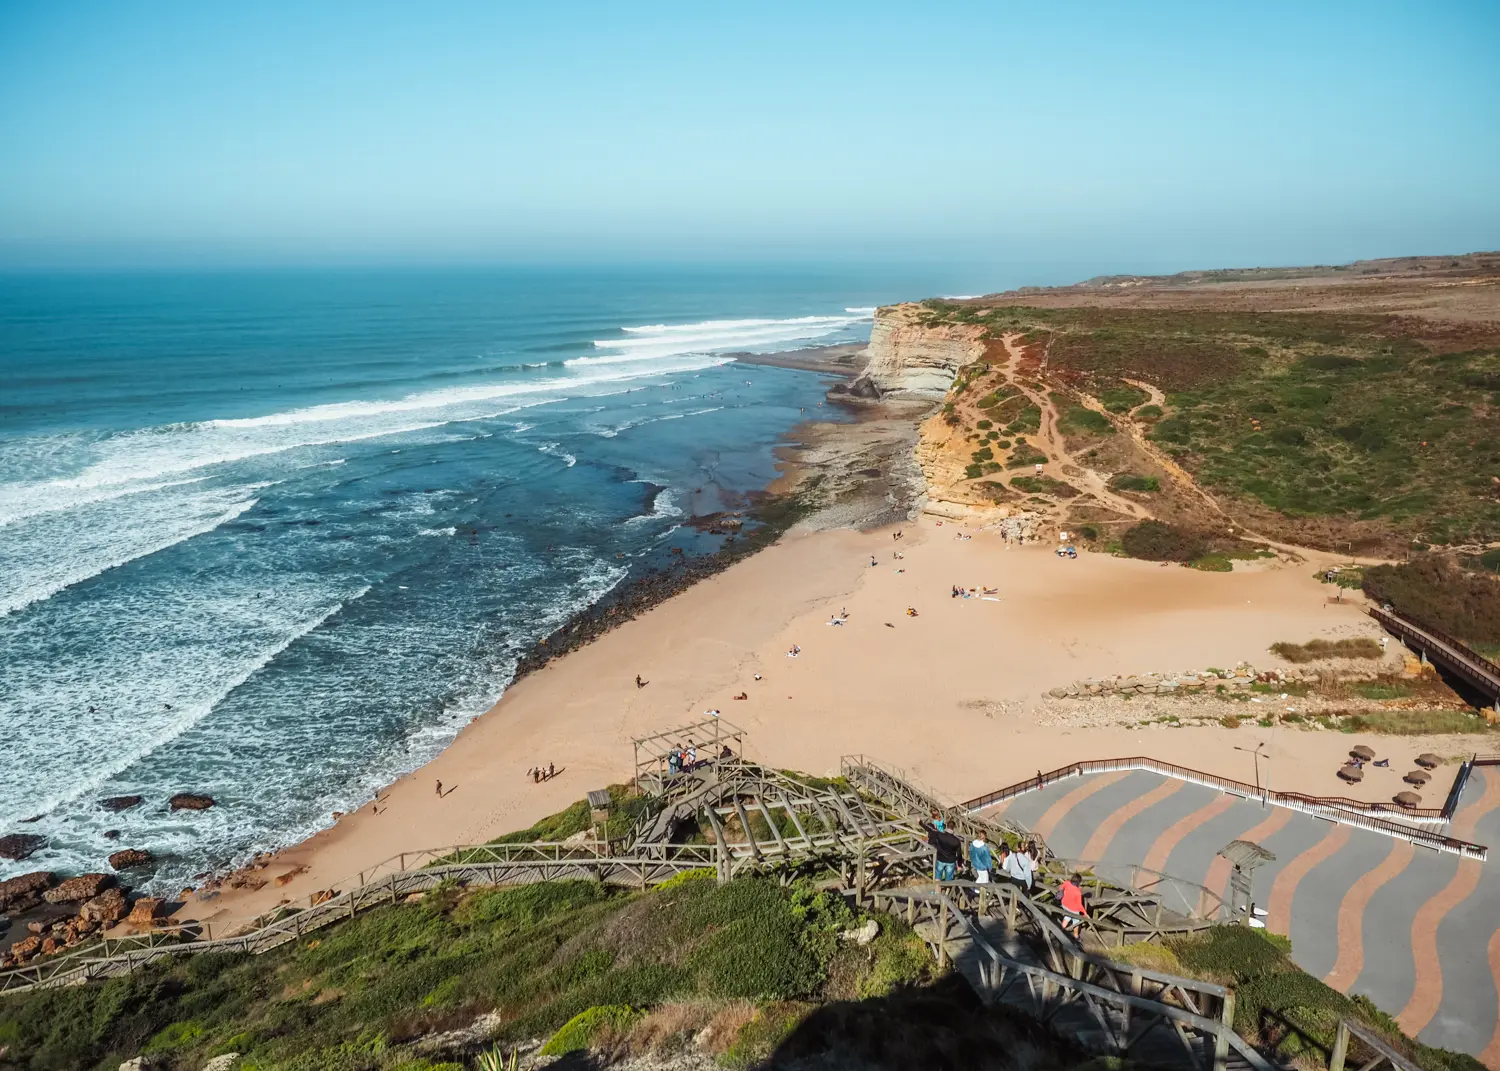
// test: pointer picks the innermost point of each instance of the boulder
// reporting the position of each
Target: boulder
(190, 801)
(25, 891)
(222, 1062)
(864, 387)
(83, 887)
(111, 834)
(862, 935)
(50, 945)
(120, 803)
(20, 845)
(24, 950)
(106, 909)
(145, 911)
(1058, 693)
(129, 857)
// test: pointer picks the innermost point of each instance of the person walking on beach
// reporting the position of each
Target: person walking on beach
(440, 790)
(640, 683)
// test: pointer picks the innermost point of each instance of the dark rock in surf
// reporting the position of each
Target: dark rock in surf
(129, 857)
(864, 387)
(190, 801)
(111, 834)
(120, 803)
(20, 845)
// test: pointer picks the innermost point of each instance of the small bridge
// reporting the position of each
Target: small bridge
(1446, 651)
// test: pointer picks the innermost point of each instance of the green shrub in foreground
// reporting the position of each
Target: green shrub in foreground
(580, 1031)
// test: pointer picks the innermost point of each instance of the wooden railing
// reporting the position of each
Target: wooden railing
(1119, 1008)
(1462, 659)
(1336, 809)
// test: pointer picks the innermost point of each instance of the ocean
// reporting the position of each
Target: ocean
(276, 536)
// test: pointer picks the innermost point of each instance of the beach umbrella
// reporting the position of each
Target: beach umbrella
(1408, 799)
(1417, 777)
(1363, 751)
(1429, 760)
(1351, 772)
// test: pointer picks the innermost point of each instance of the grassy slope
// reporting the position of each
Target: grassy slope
(541, 954)
(1349, 417)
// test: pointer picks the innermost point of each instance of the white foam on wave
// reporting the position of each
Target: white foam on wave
(864, 312)
(556, 450)
(133, 740)
(39, 560)
(128, 462)
(655, 341)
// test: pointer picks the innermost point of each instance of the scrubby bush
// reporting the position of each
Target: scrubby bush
(1158, 541)
(1079, 420)
(1125, 481)
(1435, 592)
(1315, 650)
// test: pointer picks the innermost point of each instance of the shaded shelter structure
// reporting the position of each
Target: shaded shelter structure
(710, 735)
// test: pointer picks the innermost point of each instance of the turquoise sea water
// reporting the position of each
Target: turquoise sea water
(276, 537)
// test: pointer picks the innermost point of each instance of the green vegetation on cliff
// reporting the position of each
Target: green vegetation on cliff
(1368, 418)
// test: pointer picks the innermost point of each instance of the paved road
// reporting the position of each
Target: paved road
(1416, 931)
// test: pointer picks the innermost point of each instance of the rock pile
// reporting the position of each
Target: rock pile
(26, 891)
(83, 887)
(1237, 680)
(129, 857)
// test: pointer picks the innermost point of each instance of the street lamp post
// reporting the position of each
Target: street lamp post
(1257, 752)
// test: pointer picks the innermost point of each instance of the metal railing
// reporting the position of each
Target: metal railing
(1461, 658)
(1334, 809)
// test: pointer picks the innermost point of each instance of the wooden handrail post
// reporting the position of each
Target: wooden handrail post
(1340, 1047)
(943, 933)
(1221, 1039)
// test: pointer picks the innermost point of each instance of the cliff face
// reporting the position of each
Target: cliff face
(910, 360)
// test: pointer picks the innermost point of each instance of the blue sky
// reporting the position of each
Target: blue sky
(1161, 134)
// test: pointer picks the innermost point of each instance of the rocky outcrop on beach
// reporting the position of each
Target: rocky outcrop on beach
(910, 358)
(106, 909)
(1240, 679)
(83, 887)
(190, 801)
(18, 846)
(20, 893)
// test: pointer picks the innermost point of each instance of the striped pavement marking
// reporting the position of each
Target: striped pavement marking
(1427, 995)
(1098, 843)
(1490, 1057)
(1285, 886)
(1351, 917)
(1156, 858)
(1218, 871)
(1059, 810)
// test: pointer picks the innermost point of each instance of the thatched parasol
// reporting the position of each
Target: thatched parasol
(1417, 777)
(1408, 799)
(1429, 760)
(1363, 751)
(1351, 772)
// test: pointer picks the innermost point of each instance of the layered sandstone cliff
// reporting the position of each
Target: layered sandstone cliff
(909, 359)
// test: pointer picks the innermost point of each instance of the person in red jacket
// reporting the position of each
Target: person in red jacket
(1071, 895)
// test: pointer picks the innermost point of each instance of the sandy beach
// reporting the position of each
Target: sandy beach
(948, 695)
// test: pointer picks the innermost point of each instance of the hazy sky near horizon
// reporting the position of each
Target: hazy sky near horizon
(1160, 134)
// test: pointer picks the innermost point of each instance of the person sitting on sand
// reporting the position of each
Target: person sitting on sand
(957, 591)
(794, 652)
(873, 562)
(911, 611)
(835, 620)
(743, 695)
